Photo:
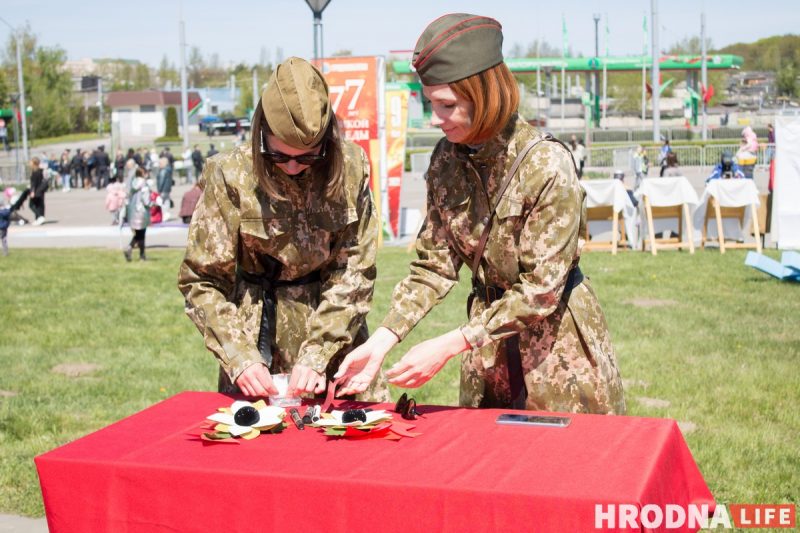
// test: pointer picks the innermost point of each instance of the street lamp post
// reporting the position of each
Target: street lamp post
(14, 99)
(317, 7)
(655, 72)
(21, 84)
(596, 88)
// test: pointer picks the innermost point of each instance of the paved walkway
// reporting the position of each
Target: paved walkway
(20, 524)
(79, 219)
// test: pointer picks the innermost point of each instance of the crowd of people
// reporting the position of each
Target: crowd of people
(127, 180)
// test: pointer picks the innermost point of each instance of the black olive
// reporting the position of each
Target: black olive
(246, 416)
(354, 414)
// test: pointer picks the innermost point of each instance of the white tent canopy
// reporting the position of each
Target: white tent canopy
(786, 190)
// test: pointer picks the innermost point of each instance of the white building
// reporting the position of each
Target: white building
(143, 113)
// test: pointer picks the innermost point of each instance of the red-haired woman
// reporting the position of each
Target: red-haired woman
(504, 199)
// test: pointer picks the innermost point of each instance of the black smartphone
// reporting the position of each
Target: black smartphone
(533, 420)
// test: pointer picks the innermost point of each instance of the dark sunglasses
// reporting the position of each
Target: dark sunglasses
(407, 407)
(302, 159)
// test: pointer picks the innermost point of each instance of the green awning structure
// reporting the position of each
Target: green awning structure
(624, 63)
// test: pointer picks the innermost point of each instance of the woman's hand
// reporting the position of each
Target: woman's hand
(361, 365)
(256, 382)
(424, 360)
(305, 379)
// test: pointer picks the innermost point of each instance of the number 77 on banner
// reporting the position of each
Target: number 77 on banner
(338, 92)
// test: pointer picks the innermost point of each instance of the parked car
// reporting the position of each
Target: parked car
(224, 126)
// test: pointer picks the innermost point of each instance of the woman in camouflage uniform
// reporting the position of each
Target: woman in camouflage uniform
(536, 336)
(280, 264)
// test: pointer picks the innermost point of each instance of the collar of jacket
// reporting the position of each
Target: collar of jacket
(493, 147)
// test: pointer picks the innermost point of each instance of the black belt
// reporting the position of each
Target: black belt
(268, 283)
(489, 294)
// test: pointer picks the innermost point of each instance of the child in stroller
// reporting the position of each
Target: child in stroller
(726, 168)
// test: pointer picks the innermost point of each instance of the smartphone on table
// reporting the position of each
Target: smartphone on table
(533, 420)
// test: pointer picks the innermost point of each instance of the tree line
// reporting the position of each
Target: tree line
(56, 108)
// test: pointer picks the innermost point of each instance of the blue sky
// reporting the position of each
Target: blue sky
(238, 30)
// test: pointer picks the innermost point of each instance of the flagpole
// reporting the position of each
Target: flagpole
(184, 92)
(704, 71)
(644, 72)
(563, 84)
(656, 83)
(605, 78)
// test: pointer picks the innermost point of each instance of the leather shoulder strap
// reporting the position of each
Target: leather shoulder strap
(476, 261)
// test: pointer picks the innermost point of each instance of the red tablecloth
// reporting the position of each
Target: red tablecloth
(150, 472)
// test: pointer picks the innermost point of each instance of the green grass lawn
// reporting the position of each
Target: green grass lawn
(717, 342)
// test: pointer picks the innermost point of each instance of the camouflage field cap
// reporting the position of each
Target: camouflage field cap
(296, 103)
(456, 46)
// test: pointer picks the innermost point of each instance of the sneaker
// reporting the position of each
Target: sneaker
(142, 258)
(39, 221)
(127, 253)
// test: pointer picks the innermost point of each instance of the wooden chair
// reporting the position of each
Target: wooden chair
(714, 210)
(681, 212)
(763, 217)
(618, 237)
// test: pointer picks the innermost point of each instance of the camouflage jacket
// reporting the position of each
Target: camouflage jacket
(236, 225)
(534, 242)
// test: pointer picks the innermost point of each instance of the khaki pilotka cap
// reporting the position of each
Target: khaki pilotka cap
(296, 104)
(456, 46)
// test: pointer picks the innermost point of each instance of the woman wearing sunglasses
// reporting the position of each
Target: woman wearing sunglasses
(505, 200)
(280, 264)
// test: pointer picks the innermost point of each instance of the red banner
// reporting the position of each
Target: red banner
(396, 129)
(353, 85)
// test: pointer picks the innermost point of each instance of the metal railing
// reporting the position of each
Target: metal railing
(429, 137)
(709, 155)
(11, 173)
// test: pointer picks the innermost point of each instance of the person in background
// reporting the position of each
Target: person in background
(164, 181)
(4, 135)
(189, 202)
(640, 166)
(505, 199)
(168, 154)
(578, 154)
(151, 162)
(138, 214)
(157, 211)
(770, 143)
(726, 168)
(76, 179)
(139, 156)
(211, 151)
(51, 170)
(747, 156)
(7, 215)
(64, 170)
(280, 262)
(119, 164)
(38, 189)
(115, 199)
(671, 165)
(128, 173)
(197, 162)
(102, 163)
(666, 149)
(87, 162)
